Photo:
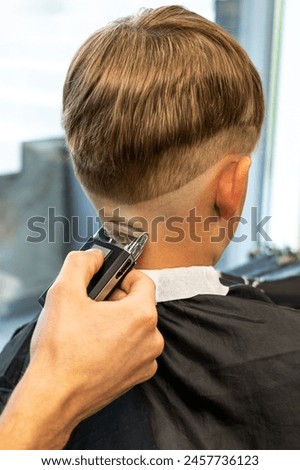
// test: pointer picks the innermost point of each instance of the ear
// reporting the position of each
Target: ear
(232, 187)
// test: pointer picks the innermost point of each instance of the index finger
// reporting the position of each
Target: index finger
(79, 268)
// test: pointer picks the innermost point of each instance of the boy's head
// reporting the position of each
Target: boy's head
(153, 101)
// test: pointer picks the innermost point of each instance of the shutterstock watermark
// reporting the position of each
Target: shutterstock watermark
(57, 228)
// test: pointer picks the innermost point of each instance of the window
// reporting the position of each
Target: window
(282, 191)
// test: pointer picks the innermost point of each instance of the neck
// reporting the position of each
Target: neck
(167, 254)
(178, 236)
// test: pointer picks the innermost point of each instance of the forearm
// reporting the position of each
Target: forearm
(36, 416)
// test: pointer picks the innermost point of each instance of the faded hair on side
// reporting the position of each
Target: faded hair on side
(153, 100)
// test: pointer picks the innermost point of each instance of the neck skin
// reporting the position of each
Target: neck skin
(193, 225)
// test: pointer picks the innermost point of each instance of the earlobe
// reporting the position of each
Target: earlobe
(232, 187)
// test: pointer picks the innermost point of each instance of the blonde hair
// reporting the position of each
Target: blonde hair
(153, 100)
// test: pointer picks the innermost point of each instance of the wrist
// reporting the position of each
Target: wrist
(37, 415)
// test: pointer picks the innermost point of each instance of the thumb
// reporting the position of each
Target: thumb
(138, 286)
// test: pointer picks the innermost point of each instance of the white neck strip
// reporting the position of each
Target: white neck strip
(185, 282)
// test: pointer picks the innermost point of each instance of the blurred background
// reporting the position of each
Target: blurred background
(38, 192)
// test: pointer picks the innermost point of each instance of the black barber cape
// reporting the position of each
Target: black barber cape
(229, 378)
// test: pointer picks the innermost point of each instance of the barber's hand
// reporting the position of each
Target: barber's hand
(84, 354)
(95, 351)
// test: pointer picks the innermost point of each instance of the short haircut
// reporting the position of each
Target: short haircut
(152, 101)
